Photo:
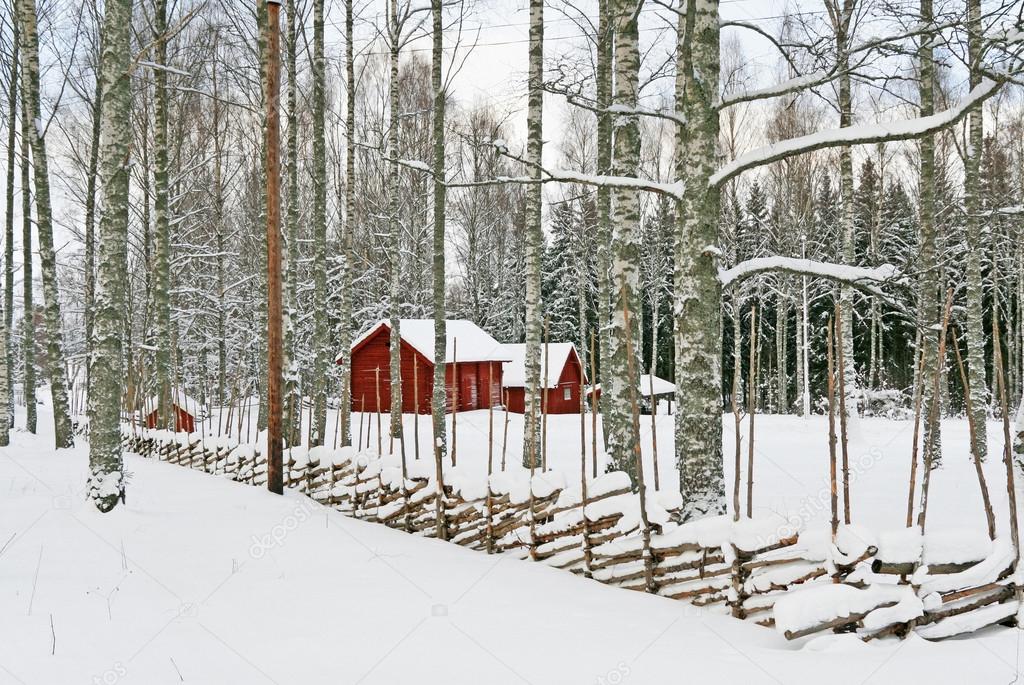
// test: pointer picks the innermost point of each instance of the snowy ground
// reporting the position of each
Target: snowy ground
(199, 580)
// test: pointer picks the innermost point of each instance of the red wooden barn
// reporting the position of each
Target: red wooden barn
(184, 409)
(562, 386)
(475, 353)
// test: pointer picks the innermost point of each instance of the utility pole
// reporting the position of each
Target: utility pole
(272, 140)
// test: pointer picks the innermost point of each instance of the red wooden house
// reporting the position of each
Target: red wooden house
(185, 409)
(561, 387)
(475, 354)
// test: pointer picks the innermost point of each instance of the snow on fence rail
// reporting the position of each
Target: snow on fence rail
(943, 584)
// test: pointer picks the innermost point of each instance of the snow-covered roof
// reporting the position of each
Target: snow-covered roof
(514, 371)
(474, 343)
(178, 397)
(661, 386)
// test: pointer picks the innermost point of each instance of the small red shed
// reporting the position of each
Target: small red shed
(468, 347)
(184, 407)
(562, 386)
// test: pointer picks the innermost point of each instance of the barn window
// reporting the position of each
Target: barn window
(567, 393)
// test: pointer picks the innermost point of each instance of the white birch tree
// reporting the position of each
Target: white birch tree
(533, 234)
(106, 382)
(621, 378)
(698, 291)
(161, 280)
(321, 329)
(439, 393)
(976, 243)
(62, 432)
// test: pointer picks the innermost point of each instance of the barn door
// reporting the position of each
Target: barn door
(469, 394)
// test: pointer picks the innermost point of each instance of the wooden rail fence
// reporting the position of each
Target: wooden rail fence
(759, 569)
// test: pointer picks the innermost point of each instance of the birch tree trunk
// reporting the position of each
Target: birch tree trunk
(218, 224)
(162, 240)
(90, 222)
(395, 347)
(974, 325)
(5, 388)
(697, 311)
(877, 361)
(605, 46)
(321, 332)
(620, 379)
(805, 341)
(345, 313)
(782, 347)
(292, 400)
(6, 318)
(28, 320)
(534, 238)
(842, 16)
(12, 123)
(655, 315)
(262, 300)
(62, 432)
(929, 313)
(106, 482)
(439, 396)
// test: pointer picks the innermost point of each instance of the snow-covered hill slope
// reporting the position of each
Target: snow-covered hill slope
(200, 580)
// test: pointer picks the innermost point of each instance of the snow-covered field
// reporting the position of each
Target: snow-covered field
(200, 580)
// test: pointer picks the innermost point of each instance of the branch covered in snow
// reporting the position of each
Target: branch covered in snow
(854, 275)
(674, 190)
(163, 67)
(1007, 211)
(792, 85)
(857, 135)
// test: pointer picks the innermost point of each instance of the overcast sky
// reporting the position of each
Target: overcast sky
(492, 57)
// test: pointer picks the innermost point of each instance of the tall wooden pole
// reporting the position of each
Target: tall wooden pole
(272, 141)
(1011, 489)
(455, 396)
(833, 488)
(737, 421)
(751, 410)
(641, 485)
(337, 422)
(844, 442)
(933, 414)
(362, 413)
(544, 404)
(594, 404)
(416, 403)
(490, 420)
(583, 468)
(504, 437)
(918, 398)
(376, 382)
(654, 427)
(583, 429)
(968, 409)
